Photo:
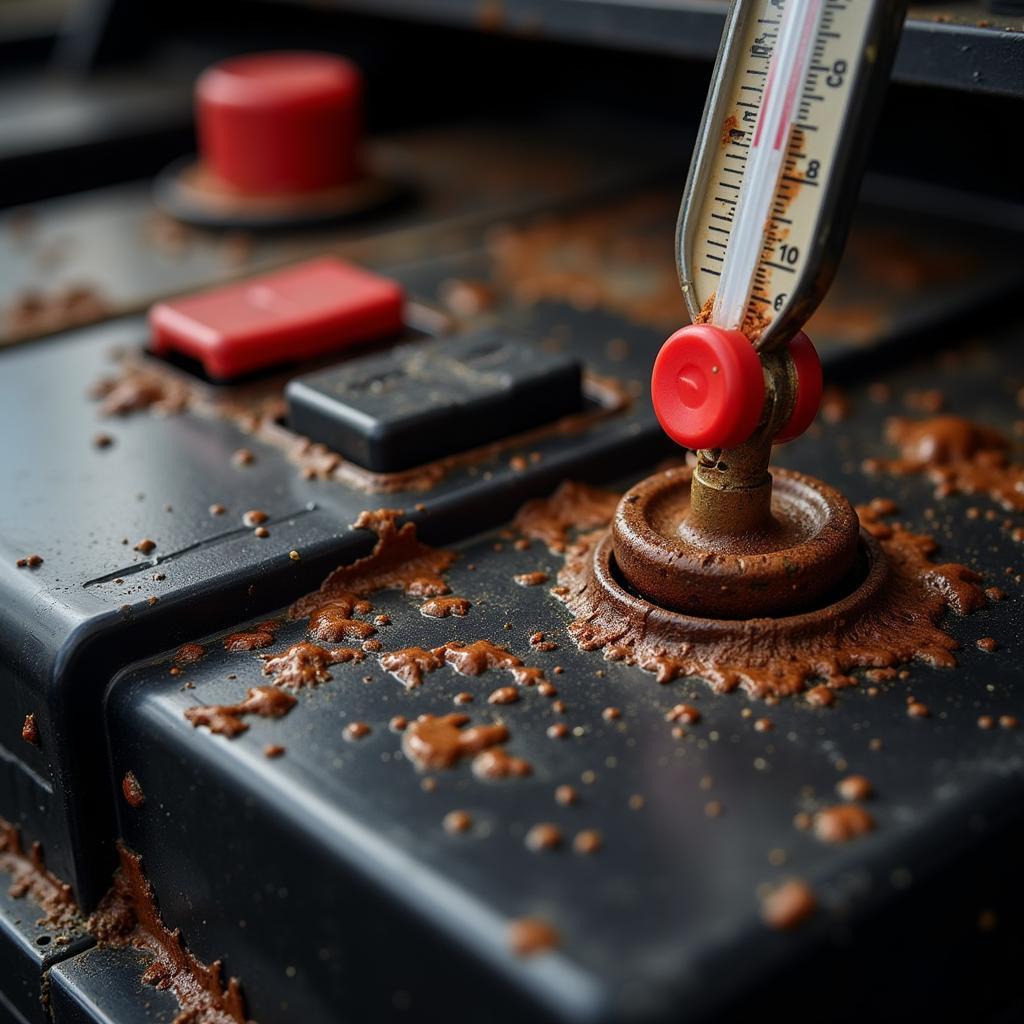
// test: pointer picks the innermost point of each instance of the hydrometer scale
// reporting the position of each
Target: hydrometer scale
(795, 95)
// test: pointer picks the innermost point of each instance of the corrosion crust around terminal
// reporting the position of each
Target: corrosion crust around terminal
(885, 614)
(806, 543)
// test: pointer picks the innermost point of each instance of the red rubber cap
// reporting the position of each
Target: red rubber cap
(280, 123)
(808, 390)
(307, 310)
(708, 387)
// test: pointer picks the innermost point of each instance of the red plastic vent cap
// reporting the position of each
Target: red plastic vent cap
(808, 388)
(276, 124)
(708, 387)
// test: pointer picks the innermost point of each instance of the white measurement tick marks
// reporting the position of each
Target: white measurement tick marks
(795, 95)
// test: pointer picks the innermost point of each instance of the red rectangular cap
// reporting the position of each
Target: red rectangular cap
(307, 310)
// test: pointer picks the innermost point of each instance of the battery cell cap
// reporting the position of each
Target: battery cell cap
(281, 123)
(413, 404)
(307, 310)
(708, 387)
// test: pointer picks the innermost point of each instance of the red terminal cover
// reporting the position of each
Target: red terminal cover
(303, 311)
(281, 123)
(808, 388)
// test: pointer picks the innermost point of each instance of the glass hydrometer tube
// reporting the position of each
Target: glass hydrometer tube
(794, 98)
(783, 87)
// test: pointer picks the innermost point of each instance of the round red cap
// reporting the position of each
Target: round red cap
(708, 387)
(808, 388)
(280, 123)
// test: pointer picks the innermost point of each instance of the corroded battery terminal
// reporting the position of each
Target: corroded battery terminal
(794, 98)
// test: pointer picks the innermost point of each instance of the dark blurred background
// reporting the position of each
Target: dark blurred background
(106, 84)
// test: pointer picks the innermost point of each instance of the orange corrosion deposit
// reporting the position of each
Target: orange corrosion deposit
(889, 619)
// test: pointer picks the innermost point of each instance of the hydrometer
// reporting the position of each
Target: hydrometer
(795, 95)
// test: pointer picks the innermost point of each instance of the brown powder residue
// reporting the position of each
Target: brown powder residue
(588, 261)
(544, 836)
(497, 763)
(704, 313)
(957, 455)
(539, 642)
(835, 405)
(30, 877)
(754, 324)
(31, 312)
(325, 624)
(893, 622)
(411, 663)
(440, 741)
(226, 719)
(567, 795)
(137, 389)
(685, 713)
(587, 842)
(820, 697)
(942, 440)
(132, 790)
(332, 621)
(399, 561)
(301, 665)
(504, 695)
(442, 607)
(466, 299)
(788, 905)
(305, 664)
(476, 658)
(261, 635)
(854, 787)
(188, 654)
(887, 260)
(30, 730)
(530, 579)
(528, 936)
(841, 823)
(457, 822)
(854, 321)
(573, 506)
(731, 129)
(128, 916)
